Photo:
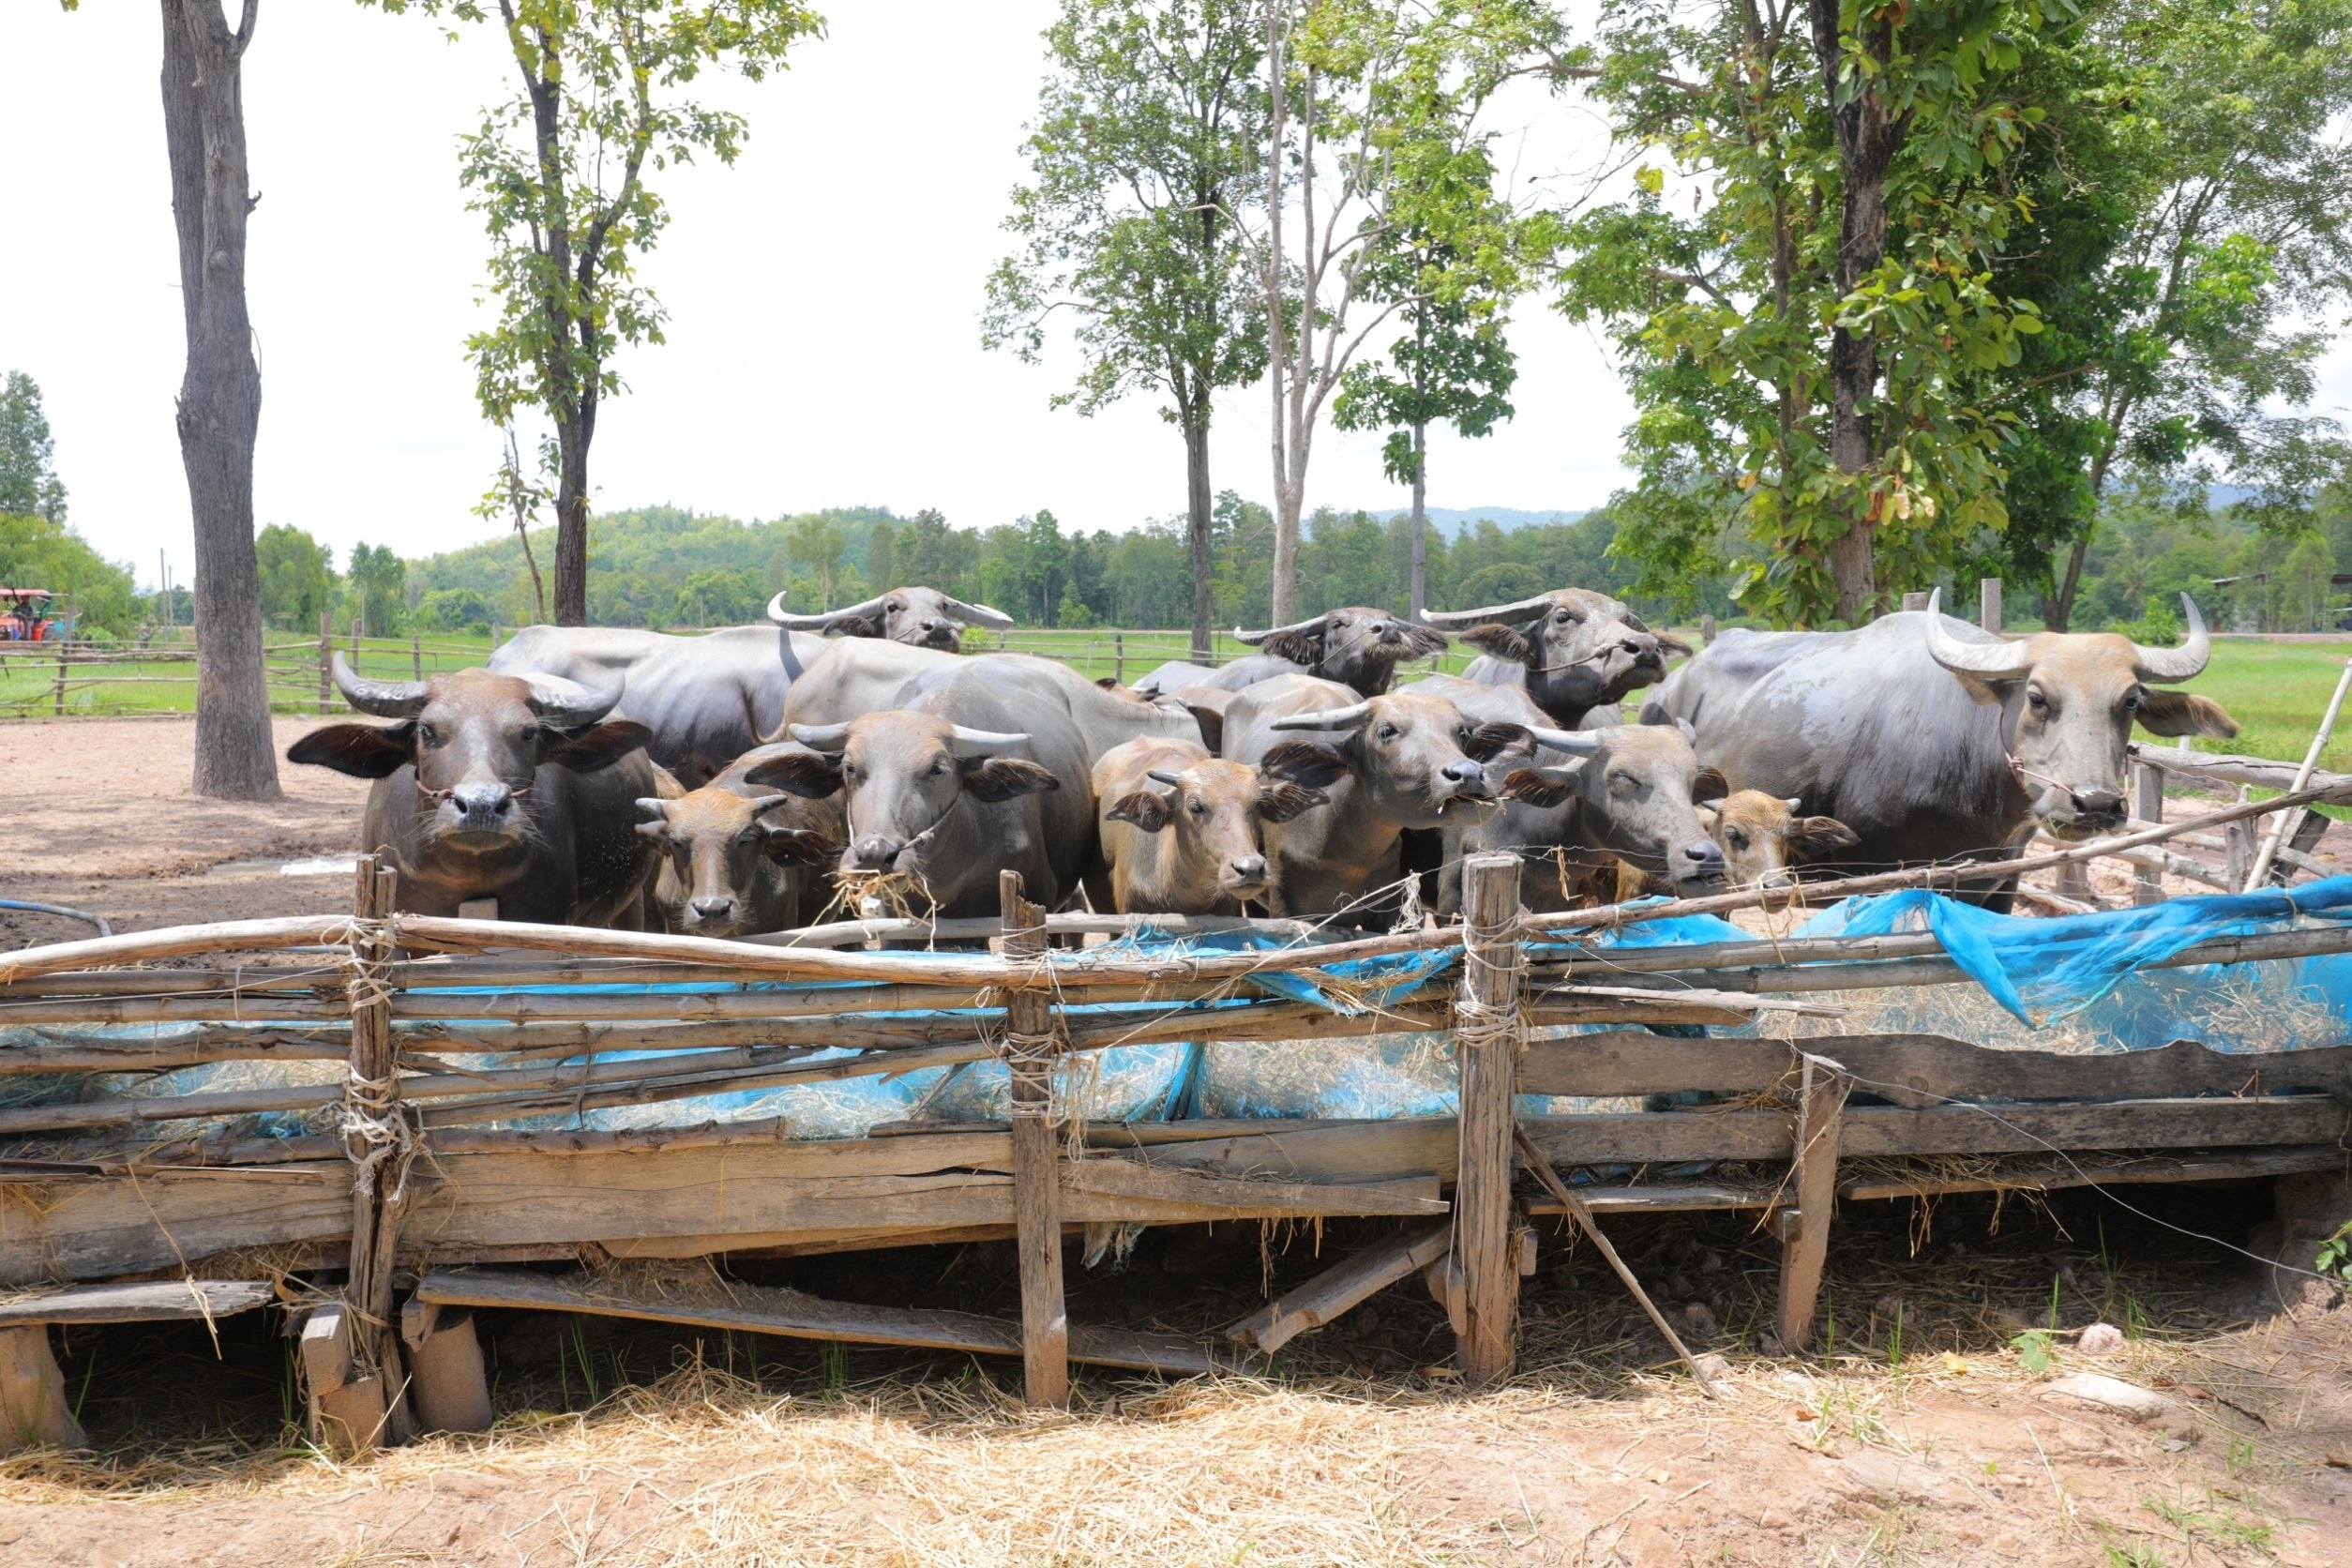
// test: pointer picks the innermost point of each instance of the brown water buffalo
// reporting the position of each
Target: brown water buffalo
(1358, 646)
(741, 857)
(1764, 838)
(496, 786)
(702, 698)
(920, 617)
(1181, 830)
(1931, 739)
(1572, 648)
(1388, 763)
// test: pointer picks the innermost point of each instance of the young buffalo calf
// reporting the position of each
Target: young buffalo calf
(1181, 829)
(741, 857)
(1764, 840)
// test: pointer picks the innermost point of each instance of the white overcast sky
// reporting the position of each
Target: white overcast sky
(823, 294)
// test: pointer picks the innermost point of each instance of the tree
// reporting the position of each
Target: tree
(454, 609)
(29, 485)
(379, 589)
(560, 178)
(297, 576)
(37, 552)
(1373, 135)
(519, 497)
(818, 543)
(1145, 146)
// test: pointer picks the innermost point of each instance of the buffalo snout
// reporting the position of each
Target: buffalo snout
(1245, 873)
(1702, 860)
(482, 808)
(875, 853)
(1465, 771)
(712, 909)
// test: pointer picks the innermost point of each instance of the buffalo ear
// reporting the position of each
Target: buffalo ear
(1533, 788)
(1003, 777)
(1146, 809)
(810, 775)
(797, 846)
(1280, 801)
(362, 750)
(1671, 644)
(1212, 724)
(1297, 647)
(1488, 741)
(1502, 643)
(593, 750)
(1304, 762)
(2181, 713)
(1708, 784)
(1423, 641)
(1811, 837)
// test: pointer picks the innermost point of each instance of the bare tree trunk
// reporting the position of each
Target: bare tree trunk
(571, 527)
(1203, 554)
(1420, 520)
(220, 395)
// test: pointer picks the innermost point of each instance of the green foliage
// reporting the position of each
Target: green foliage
(376, 590)
(2034, 1352)
(2335, 1254)
(42, 552)
(29, 485)
(453, 610)
(297, 578)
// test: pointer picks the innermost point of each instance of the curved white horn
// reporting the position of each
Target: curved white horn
(820, 737)
(1576, 743)
(1174, 781)
(1252, 638)
(572, 709)
(1493, 614)
(653, 808)
(384, 699)
(2009, 660)
(2177, 664)
(820, 621)
(1352, 717)
(977, 614)
(983, 743)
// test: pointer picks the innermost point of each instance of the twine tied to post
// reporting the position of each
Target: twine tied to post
(370, 1121)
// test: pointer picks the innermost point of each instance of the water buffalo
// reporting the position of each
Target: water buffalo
(498, 786)
(1572, 648)
(703, 700)
(1181, 829)
(741, 857)
(1931, 739)
(1389, 764)
(920, 617)
(1357, 646)
(1764, 838)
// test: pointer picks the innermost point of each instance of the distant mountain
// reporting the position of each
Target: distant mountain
(1452, 521)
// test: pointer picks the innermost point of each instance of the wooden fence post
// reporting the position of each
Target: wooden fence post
(1804, 1230)
(1915, 601)
(1706, 630)
(1031, 1039)
(1490, 1033)
(327, 662)
(415, 655)
(63, 651)
(1988, 604)
(1119, 656)
(2148, 805)
(356, 625)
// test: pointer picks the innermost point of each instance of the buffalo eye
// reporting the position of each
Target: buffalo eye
(2036, 700)
(427, 734)
(939, 767)
(1197, 809)
(2134, 699)
(1739, 839)
(847, 773)
(1389, 732)
(1564, 617)
(894, 607)
(1622, 782)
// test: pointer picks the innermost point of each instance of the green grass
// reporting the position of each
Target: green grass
(2277, 692)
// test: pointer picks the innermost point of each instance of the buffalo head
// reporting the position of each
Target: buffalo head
(1416, 758)
(1636, 789)
(1764, 840)
(2068, 701)
(1357, 646)
(923, 617)
(902, 774)
(1581, 649)
(1212, 810)
(477, 739)
(726, 850)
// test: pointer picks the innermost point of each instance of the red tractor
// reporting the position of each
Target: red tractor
(25, 616)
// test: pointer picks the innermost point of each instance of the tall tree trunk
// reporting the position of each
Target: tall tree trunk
(1868, 133)
(220, 395)
(1203, 553)
(1420, 518)
(2060, 612)
(571, 527)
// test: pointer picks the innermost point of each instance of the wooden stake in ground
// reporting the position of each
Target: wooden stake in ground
(34, 1409)
(1583, 1215)
(2302, 778)
(376, 1138)
(1804, 1230)
(1029, 1025)
(1490, 1033)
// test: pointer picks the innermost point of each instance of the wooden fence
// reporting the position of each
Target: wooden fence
(422, 1191)
(158, 678)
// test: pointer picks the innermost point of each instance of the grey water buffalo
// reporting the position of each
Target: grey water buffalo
(1931, 739)
(499, 785)
(920, 617)
(1389, 764)
(1585, 801)
(741, 857)
(1573, 650)
(1764, 838)
(1358, 646)
(1182, 830)
(703, 700)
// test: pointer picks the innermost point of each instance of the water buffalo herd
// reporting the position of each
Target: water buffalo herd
(754, 778)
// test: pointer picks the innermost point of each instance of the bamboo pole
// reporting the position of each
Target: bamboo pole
(2277, 836)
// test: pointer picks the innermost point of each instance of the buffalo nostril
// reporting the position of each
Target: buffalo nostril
(2098, 803)
(1705, 851)
(1249, 868)
(1465, 771)
(714, 908)
(875, 853)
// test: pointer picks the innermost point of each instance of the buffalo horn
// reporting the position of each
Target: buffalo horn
(562, 705)
(2177, 664)
(820, 737)
(822, 619)
(1492, 615)
(1252, 638)
(983, 743)
(1574, 742)
(384, 699)
(1352, 717)
(1173, 780)
(979, 614)
(652, 808)
(1996, 660)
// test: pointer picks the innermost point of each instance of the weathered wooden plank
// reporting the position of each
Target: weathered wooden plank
(1489, 1030)
(144, 1303)
(1665, 1198)
(1116, 1178)
(791, 1314)
(1804, 1229)
(448, 1382)
(1340, 1290)
(2099, 1170)
(129, 1224)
